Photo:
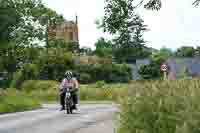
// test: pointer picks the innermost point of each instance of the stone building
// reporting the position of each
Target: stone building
(67, 31)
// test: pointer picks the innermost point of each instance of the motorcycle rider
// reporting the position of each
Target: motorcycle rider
(69, 81)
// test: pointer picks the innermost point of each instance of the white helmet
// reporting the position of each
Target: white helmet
(68, 75)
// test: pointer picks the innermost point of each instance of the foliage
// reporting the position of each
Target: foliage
(53, 66)
(152, 71)
(18, 79)
(37, 85)
(85, 78)
(91, 60)
(42, 90)
(28, 71)
(48, 91)
(103, 92)
(103, 48)
(161, 107)
(85, 51)
(14, 101)
(28, 14)
(149, 71)
(121, 20)
(8, 18)
(185, 52)
(154, 4)
(107, 72)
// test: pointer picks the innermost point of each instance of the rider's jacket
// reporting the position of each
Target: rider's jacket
(68, 83)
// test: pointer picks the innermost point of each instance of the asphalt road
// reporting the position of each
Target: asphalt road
(91, 118)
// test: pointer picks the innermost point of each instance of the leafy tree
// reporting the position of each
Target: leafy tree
(23, 20)
(103, 48)
(121, 20)
(156, 4)
(149, 71)
(21, 25)
(85, 50)
(185, 51)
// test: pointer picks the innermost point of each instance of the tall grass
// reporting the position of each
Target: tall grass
(48, 91)
(105, 92)
(161, 107)
(14, 101)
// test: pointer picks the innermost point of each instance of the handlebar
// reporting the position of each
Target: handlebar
(70, 90)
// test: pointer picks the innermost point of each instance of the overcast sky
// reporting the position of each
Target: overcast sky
(176, 24)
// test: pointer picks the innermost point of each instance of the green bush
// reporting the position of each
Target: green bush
(151, 71)
(42, 90)
(109, 73)
(17, 80)
(53, 67)
(39, 85)
(27, 72)
(161, 107)
(85, 78)
(14, 101)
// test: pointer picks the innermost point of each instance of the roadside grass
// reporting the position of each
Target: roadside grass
(161, 107)
(15, 101)
(146, 106)
(34, 92)
(47, 91)
(105, 92)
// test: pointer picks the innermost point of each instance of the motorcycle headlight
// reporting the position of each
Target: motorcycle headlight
(68, 94)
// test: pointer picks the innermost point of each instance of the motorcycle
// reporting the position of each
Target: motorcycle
(69, 104)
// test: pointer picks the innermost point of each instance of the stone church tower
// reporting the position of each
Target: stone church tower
(67, 31)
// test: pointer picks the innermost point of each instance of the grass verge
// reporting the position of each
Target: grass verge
(161, 107)
(15, 101)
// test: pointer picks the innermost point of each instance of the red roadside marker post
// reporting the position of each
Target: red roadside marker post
(164, 69)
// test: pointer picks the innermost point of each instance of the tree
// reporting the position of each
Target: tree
(8, 18)
(22, 20)
(22, 25)
(121, 20)
(103, 48)
(185, 51)
(157, 4)
(85, 50)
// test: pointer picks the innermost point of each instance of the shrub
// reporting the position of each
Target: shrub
(17, 80)
(104, 72)
(100, 84)
(29, 71)
(53, 67)
(85, 78)
(38, 85)
(161, 107)
(42, 90)
(151, 71)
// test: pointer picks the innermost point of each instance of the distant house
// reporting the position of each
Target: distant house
(179, 66)
(136, 67)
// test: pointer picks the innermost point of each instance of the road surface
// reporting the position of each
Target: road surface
(92, 118)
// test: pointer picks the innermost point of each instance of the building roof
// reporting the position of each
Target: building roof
(177, 65)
